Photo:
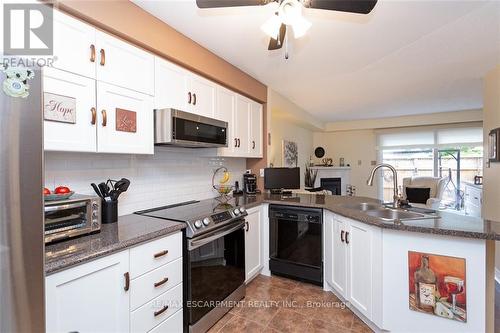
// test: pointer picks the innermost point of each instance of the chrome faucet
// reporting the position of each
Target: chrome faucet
(397, 197)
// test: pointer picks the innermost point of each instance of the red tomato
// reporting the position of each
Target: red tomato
(62, 190)
(46, 191)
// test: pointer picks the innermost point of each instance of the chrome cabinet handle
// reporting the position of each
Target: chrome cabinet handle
(160, 254)
(92, 53)
(160, 283)
(104, 118)
(159, 312)
(103, 57)
(127, 281)
(94, 115)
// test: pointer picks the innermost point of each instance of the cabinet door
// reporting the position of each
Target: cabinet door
(125, 121)
(70, 98)
(242, 126)
(123, 64)
(203, 96)
(360, 266)
(74, 45)
(339, 268)
(225, 112)
(253, 243)
(89, 298)
(171, 86)
(255, 143)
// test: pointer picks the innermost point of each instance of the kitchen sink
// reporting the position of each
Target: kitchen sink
(363, 206)
(397, 214)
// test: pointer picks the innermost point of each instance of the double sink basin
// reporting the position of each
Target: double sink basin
(388, 214)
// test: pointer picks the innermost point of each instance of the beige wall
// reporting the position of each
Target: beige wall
(353, 146)
(491, 187)
(289, 122)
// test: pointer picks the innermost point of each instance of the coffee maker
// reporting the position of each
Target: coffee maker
(249, 183)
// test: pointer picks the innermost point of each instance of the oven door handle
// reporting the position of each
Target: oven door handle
(66, 206)
(194, 244)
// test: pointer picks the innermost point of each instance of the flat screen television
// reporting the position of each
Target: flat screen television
(281, 178)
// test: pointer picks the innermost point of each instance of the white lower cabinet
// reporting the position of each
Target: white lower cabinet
(90, 297)
(353, 261)
(103, 295)
(253, 243)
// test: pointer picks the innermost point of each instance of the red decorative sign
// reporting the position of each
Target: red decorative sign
(126, 121)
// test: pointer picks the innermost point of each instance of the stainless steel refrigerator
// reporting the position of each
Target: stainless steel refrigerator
(22, 299)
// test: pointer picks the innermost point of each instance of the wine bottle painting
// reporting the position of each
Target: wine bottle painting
(437, 285)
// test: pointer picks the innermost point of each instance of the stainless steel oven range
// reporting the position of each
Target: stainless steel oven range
(214, 258)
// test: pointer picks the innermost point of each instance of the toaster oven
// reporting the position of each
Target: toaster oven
(79, 215)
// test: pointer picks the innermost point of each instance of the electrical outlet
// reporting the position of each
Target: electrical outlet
(373, 163)
(262, 172)
(359, 162)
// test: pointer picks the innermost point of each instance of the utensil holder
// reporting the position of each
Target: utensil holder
(109, 211)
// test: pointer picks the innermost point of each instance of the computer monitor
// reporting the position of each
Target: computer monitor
(281, 178)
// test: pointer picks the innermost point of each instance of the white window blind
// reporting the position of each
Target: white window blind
(431, 137)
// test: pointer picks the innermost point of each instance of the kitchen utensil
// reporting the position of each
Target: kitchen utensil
(119, 187)
(104, 189)
(96, 189)
(319, 152)
(109, 211)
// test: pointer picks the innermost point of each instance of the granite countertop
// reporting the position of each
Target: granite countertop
(449, 224)
(130, 230)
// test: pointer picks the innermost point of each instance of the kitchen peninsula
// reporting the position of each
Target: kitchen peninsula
(365, 258)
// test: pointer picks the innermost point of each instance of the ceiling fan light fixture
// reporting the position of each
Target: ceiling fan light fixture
(272, 26)
(300, 27)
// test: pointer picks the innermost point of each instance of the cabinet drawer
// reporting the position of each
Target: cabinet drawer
(143, 319)
(154, 283)
(171, 325)
(154, 254)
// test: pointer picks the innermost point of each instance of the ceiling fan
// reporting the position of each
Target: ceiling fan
(290, 14)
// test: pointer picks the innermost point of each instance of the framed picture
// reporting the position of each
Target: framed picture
(437, 285)
(494, 145)
(290, 154)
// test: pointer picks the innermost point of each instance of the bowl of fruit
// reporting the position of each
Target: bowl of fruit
(59, 193)
(219, 181)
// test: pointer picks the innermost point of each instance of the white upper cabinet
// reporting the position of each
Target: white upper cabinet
(71, 116)
(202, 96)
(123, 64)
(84, 50)
(225, 111)
(74, 45)
(256, 130)
(171, 86)
(242, 128)
(125, 120)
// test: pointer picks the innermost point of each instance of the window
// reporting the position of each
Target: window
(452, 153)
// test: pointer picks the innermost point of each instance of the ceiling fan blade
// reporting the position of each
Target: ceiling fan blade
(230, 3)
(351, 6)
(273, 43)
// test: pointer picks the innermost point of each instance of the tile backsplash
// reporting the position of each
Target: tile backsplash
(169, 176)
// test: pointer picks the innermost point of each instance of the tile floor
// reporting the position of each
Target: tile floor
(275, 304)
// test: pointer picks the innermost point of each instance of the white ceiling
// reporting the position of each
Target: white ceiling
(405, 58)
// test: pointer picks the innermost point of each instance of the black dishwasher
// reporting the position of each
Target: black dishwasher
(296, 242)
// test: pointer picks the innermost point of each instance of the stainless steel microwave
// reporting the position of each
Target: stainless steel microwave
(179, 128)
(79, 215)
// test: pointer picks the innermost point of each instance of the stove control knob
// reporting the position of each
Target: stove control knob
(236, 211)
(198, 224)
(206, 221)
(242, 209)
